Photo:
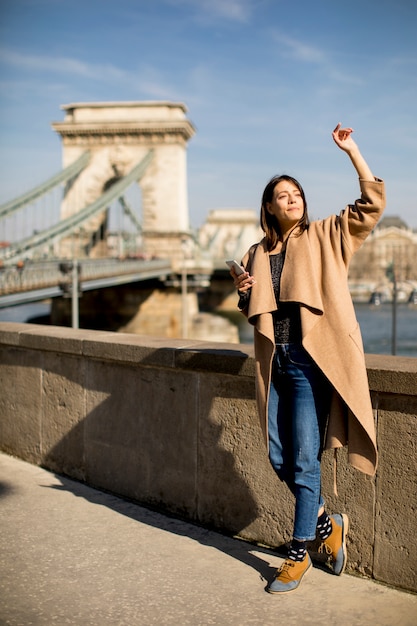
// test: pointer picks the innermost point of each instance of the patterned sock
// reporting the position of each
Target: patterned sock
(297, 550)
(324, 526)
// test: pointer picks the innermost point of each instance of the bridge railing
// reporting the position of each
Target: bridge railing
(38, 275)
(24, 277)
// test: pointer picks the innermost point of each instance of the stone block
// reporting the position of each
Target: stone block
(21, 402)
(53, 338)
(129, 348)
(63, 414)
(140, 435)
(10, 332)
(211, 357)
(395, 560)
(392, 374)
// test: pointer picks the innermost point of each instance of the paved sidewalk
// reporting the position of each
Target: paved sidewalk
(70, 554)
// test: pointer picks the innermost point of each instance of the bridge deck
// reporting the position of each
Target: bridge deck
(38, 281)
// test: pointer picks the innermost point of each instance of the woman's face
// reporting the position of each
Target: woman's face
(287, 205)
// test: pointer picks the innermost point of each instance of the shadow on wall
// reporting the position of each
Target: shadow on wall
(161, 436)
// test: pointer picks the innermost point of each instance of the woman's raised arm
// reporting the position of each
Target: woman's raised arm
(343, 138)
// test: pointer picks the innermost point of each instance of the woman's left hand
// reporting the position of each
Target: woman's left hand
(343, 138)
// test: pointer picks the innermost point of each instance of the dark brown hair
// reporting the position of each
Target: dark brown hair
(269, 223)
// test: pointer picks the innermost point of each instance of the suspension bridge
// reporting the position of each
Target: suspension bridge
(32, 267)
(117, 212)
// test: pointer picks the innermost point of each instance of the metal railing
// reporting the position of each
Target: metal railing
(56, 275)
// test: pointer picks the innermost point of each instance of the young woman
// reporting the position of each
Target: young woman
(311, 381)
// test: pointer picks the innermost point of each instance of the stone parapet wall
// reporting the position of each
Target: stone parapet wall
(172, 424)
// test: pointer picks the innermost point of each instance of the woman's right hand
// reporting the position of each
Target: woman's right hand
(243, 282)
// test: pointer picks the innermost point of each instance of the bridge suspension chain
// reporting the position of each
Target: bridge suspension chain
(70, 224)
(66, 174)
(128, 211)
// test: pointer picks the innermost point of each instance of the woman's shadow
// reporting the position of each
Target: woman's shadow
(255, 556)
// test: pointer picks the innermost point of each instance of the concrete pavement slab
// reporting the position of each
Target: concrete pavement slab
(70, 554)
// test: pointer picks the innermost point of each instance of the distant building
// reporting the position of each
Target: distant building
(228, 233)
(392, 246)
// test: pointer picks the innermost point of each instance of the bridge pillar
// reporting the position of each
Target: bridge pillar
(118, 135)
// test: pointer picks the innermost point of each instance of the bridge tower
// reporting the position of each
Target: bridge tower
(118, 135)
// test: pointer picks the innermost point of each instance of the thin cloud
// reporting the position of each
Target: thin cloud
(306, 53)
(146, 81)
(300, 50)
(234, 10)
(63, 65)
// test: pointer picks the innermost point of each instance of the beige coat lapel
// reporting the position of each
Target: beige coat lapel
(262, 299)
(299, 282)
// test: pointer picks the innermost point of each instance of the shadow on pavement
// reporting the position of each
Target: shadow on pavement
(232, 546)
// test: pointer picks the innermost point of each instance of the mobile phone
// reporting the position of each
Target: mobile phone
(235, 265)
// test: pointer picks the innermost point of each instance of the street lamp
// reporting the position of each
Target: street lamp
(184, 303)
(392, 275)
(72, 289)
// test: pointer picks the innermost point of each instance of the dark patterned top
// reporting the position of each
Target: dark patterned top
(287, 322)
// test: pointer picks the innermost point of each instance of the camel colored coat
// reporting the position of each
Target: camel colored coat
(315, 275)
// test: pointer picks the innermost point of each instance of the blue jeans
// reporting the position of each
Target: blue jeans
(299, 400)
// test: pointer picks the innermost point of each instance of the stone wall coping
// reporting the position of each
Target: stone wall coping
(392, 374)
(386, 373)
(227, 358)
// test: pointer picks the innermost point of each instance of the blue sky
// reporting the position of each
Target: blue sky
(265, 82)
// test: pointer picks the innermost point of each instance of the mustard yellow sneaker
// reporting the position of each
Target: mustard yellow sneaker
(289, 575)
(335, 545)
